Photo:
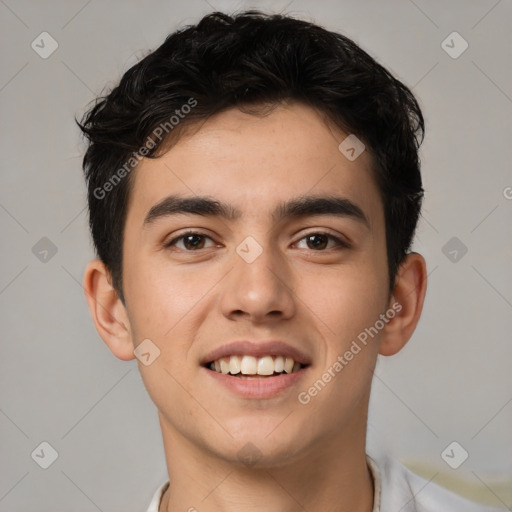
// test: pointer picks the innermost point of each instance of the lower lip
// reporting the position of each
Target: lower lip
(263, 387)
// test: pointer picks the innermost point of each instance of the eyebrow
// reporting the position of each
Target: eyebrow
(301, 206)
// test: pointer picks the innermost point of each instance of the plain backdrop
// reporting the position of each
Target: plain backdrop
(59, 383)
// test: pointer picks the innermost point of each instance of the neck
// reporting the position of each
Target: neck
(331, 476)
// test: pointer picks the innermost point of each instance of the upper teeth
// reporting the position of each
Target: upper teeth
(250, 365)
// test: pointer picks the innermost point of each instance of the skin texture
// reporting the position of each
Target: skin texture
(318, 300)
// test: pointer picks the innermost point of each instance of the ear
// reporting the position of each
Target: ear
(107, 310)
(407, 303)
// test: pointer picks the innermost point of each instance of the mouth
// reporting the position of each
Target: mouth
(263, 370)
(250, 367)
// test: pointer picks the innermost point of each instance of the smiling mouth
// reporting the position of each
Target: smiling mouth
(250, 367)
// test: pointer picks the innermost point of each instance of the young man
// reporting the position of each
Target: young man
(254, 189)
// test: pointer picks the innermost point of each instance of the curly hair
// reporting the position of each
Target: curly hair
(251, 61)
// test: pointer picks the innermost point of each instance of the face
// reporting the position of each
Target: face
(310, 275)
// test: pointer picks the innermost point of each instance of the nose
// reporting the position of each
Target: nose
(260, 290)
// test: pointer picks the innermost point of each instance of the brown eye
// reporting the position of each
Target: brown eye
(317, 241)
(190, 241)
(193, 242)
(320, 241)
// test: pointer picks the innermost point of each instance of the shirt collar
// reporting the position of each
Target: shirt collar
(377, 483)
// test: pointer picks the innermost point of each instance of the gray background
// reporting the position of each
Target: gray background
(60, 384)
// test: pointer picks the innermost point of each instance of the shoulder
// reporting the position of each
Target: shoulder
(403, 490)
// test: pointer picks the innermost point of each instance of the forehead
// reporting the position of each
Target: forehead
(255, 162)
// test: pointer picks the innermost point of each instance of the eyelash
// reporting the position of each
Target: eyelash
(340, 242)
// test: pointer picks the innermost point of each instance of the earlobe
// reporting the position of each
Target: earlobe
(107, 310)
(407, 301)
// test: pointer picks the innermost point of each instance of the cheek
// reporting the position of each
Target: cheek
(160, 297)
(348, 299)
(346, 306)
(163, 307)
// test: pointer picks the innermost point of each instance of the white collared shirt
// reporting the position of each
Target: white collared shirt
(396, 489)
